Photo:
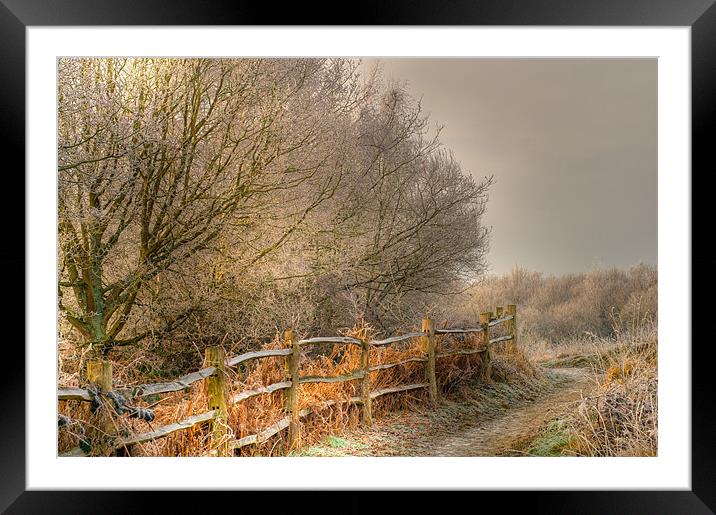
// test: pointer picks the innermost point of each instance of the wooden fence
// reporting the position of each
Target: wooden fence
(99, 376)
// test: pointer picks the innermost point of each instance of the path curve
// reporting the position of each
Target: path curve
(512, 431)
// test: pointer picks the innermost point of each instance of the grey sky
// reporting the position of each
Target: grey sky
(572, 144)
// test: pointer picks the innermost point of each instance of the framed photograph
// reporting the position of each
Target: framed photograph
(425, 251)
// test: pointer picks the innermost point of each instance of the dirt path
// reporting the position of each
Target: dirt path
(496, 425)
(508, 434)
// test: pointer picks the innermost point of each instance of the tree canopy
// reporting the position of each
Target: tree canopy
(201, 198)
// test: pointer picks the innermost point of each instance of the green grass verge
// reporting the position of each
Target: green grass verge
(553, 440)
(331, 445)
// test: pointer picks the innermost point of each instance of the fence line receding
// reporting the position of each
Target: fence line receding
(218, 398)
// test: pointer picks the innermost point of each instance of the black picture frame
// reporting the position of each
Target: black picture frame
(700, 15)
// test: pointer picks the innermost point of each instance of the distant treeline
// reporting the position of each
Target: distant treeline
(567, 306)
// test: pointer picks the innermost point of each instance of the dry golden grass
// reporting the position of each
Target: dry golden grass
(620, 419)
(547, 353)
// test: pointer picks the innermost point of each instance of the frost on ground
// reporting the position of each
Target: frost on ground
(491, 420)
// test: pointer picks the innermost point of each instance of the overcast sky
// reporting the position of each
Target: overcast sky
(572, 144)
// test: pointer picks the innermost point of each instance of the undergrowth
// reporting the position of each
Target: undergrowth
(620, 417)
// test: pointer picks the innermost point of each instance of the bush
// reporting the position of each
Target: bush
(554, 311)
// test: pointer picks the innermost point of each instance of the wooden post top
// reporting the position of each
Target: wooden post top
(428, 326)
(214, 356)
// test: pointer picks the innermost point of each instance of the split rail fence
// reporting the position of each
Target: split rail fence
(99, 376)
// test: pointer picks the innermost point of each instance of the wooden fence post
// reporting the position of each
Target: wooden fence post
(216, 387)
(99, 375)
(428, 345)
(487, 357)
(499, 312)
(292, 363)
(365, 384)
(512, 327)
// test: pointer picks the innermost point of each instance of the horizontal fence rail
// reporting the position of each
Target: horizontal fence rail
(247, 394)
(163, 431)
(458, 331)
(332, 379)
(183, 383)
(396, 339)
(396, 389)
(248, 356)
(478, 329)
(73, 394)
(214, 376)
(331, 339)
(501, 320)
(385, 366)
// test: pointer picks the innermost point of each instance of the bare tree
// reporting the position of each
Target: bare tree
(208, 197)
(408, 221)
(156, 158)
